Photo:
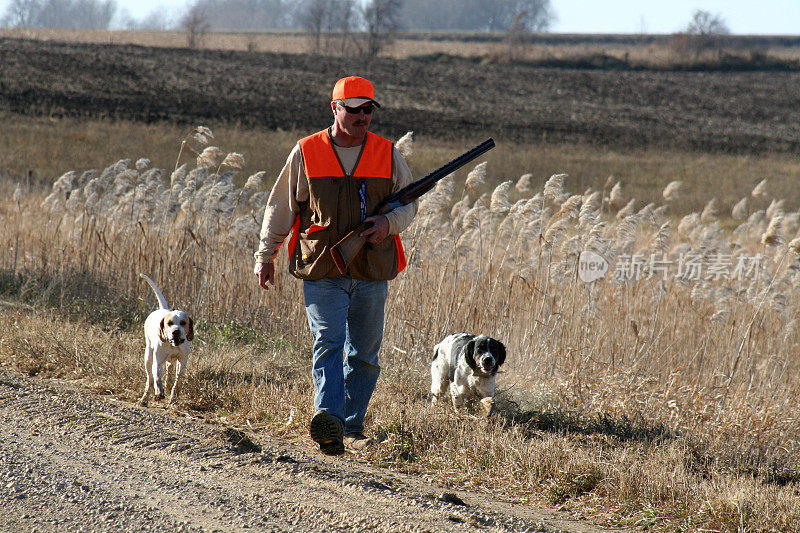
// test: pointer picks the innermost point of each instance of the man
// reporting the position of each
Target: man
(331, 182)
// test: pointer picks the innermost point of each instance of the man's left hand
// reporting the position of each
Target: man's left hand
(378, 231)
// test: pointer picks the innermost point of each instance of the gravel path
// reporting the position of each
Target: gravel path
(75, 461)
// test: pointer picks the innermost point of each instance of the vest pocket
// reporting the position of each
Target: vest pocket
(312, 259)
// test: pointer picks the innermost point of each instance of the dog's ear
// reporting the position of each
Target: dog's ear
(469, 354)
(162, 330)
(499, 352)
(190, 329)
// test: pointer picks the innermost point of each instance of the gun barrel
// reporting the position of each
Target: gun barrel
(344, 250)
(460, 161)
(414, 190)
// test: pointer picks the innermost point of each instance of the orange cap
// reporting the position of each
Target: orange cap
(354, 90)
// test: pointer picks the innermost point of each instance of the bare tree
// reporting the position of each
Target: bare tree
(344, 19)
(156, 19)
(93, 13)
(249, 14)
(706, 23)
(529, 15)
(516, 36)
(22, 13)
(160, 19)
(195, 22)
(478, 15)
(329, 24)
(534, 16)
(71, 14)
(381, 21)
(702, 33)
(313, 17)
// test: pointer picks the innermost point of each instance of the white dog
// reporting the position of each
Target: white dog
(467, 365)
(168, 336)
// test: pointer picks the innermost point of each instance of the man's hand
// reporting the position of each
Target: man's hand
(378, 231)
(265, 272)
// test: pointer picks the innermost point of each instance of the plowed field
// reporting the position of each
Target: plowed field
(739, 112)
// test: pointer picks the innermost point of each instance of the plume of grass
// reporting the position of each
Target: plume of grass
(760, 190)
(661, 238)
(776, 207)
(209, 156)
(773, 235)
(554, 187)
(672, 190)
(615, 196)
(405, 144)
(628, 210)
(232, 160)
(438, 201)
(589, 213)
(739, 211)
(794, 245)
(256, 181)
(475, 178)
(524, 186)
(202, 134)
(473, 217)
(500, 204)
(710, 212)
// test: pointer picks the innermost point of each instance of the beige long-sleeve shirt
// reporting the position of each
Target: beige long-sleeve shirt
(291, 189)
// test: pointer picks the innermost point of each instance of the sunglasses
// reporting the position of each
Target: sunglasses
(367, 109)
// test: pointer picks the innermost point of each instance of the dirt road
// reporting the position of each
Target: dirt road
(75, 461)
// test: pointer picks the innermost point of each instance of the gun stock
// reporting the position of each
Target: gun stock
(346, 249)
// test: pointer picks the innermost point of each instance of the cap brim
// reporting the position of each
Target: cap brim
(358, 101)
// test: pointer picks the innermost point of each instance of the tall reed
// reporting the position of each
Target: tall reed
(691, 333)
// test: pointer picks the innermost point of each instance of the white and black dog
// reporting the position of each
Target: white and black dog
(467, 365)
(168, 337)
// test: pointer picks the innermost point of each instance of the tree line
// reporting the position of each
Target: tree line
(334, 27)
(324, 15)
(68, 14)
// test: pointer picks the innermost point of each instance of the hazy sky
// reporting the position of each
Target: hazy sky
(621, 16)
(780, 17)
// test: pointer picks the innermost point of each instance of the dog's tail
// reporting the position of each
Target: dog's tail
(162, 302)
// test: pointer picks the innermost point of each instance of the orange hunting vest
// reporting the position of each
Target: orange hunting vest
(337, 203)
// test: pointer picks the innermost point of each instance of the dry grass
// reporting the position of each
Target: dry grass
(666, 403)
(36, 150)
(656, 51)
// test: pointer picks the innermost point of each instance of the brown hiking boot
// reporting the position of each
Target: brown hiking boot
(357, 442)
(326, 430)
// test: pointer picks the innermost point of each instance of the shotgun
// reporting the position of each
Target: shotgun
(346, 249)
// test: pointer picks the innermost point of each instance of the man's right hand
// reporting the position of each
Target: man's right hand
(265, 272)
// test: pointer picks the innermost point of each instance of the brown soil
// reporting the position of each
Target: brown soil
(740, 112)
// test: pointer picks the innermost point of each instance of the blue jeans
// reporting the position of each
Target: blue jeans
(346, 320)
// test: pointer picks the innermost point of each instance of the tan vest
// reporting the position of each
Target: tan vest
(337, 203)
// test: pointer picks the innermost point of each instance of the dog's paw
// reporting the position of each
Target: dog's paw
(142, 402)
(487, 405)
(160, 396)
